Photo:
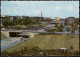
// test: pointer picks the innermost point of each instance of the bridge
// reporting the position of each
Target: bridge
(27, 33)
(18, 33)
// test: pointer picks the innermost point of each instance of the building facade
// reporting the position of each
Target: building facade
(71, 20)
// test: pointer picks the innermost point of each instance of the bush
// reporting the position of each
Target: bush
(68, 28)
(71, 47)
(76, 53)
(61, 25)
(35, 48)
(58, 29)
(35, 51)
(56, 25)
(21, 39)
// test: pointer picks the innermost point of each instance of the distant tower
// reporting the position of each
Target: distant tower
(40, 14)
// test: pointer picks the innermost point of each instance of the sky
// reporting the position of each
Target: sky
(63, 9)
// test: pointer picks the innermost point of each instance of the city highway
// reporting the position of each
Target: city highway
(5, 43)
(8, 42)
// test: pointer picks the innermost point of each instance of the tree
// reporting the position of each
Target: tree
(71, 47)
(21, 39)
(17, 21)
(50, 30)
(35, 48)
(27, 21)
(56, 25)
(59, 29)
(8, 22)
(72, 24)
(76, 27)
(66, 23)
(68, 29)
(73, 31)
(61, 25)
(77, 21)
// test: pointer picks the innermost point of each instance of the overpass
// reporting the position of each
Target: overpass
(18, 33)
(28, 33)
(10, 33)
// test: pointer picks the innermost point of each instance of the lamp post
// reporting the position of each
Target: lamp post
(41, 53)
(63, 49)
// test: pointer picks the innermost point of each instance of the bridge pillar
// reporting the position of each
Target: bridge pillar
(32, 34)
(6, 33)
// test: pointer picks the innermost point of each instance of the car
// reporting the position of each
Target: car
(70, 26)
(10, 29)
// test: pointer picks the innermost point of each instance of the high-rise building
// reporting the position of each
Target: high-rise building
(40, 14)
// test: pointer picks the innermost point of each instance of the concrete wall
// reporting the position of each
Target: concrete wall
(6, 33)
(32, 34)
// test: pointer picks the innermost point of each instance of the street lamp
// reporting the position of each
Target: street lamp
(41, 53)
(63, 49)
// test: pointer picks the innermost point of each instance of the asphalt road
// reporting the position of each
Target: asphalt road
(6, 43)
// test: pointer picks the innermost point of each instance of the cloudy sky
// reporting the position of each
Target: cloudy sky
(52, 9)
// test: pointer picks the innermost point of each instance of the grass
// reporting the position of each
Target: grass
(35, 25)
(25, 26)
(3, 36)
(48, 42)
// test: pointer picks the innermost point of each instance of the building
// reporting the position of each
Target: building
(56, 20)
(40, 14)
(3, 15)
(71, 20)
(62, 21)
